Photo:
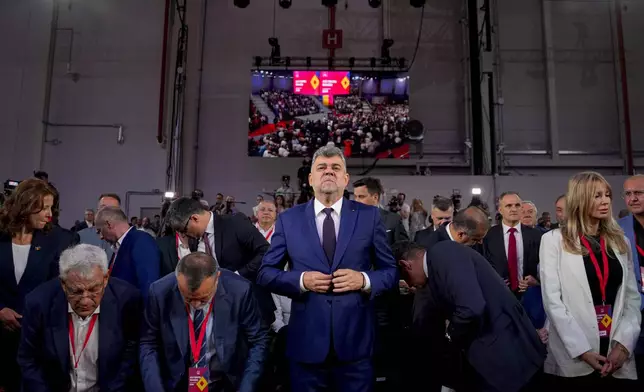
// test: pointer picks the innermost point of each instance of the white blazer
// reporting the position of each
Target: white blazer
(569, 305)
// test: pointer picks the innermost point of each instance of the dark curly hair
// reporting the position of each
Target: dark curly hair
(26, 200)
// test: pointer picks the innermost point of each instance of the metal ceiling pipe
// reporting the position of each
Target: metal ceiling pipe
(164, 61)
(625, 99)
(120, 137)
(48, 81)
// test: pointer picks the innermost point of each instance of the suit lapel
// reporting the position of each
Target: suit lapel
(108, 319)
(309, 212)
(498, 245)
(219, 236)
(576, 265)
(34, 261)
(7, 267)
(179, 320)
(348, 220)
(60, 329)
(222, 308)
(527, 255)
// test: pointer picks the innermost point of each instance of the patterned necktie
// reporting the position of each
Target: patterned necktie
(513, 260)
(206, 242)
(198, 322)
(328, 235)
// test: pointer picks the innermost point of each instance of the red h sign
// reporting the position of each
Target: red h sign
(332, 39)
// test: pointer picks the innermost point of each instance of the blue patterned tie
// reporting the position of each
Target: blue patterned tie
(198, 320)
(328, 235)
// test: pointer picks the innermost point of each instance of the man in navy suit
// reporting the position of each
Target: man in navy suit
(480, 317)
(83, 306)
(633, 226)
(136, 255)
(200, 295)
(339, 261)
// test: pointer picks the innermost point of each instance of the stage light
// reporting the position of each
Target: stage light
(417, 3)
(275, 47)
(352, 62)
(476, 191)
(287, 62)
(372, 62)
(241, 3)
(384, 49)
(169, 195)
(330, 62)
(308, 62)
(285, 3)
(402, 62)
(374, 3)
(258, 62)
(329, 3)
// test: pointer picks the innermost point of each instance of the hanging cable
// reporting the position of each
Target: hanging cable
(420, 33)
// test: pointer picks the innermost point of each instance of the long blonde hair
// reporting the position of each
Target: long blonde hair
(579, 200)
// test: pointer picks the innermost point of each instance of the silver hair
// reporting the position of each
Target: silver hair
(536, 211)
(197, 267)
(329, 151)
(82, 259)
(112, 214)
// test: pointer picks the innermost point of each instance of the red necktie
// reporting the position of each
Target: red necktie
(513, 261)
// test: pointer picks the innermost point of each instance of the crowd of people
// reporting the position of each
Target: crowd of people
(256, 120)
(324, 294)
(358, 132)
(288, 106)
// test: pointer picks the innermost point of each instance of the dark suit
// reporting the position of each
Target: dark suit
(241, 338)
(42, 265)
(44, 355)
(427, 238)
(389, 314)
(80, 226)
(324, 326)
(494, 248)
(502, 351)
(168, 256)
(137, 260)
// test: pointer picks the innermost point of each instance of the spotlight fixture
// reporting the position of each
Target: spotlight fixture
(372, 62)
(402, 62)
(275, 48)
(285, 3)
(374, 3)
(329, 3)
(308, 62)
(287, 62)
(352, 62)
(417, 3)
(258, 61)
(384, 49)
(241, 3)
(330, 62)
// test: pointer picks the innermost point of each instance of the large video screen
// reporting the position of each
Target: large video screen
(293, 113)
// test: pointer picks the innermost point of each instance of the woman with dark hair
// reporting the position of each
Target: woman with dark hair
(29, 255)
(280, 203)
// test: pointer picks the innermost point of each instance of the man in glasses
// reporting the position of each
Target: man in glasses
(136, 257)
(633, 226)
(202, 331)
(80, 333)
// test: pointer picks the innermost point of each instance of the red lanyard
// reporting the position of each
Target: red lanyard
(195, 345)
(640, 250)
(603, 278)
(72, 337)
(269, 234)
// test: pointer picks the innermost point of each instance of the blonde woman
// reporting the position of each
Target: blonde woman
(418, 217)
(589, 293)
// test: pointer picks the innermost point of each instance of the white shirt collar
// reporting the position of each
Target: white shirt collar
(425, 265)
(120, 240)
(318, 206)
(449, 232)
(210, 229)
(506, 228)
(89, 224)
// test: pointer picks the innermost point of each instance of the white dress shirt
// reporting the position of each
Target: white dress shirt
(89, 224)
(519, 238)
(182, 249)
(449, 232)
(20, 258)
(85, 377)
(268, 234)
(210, 229)
(318, 208)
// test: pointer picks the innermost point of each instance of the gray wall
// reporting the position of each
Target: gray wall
(117, 55)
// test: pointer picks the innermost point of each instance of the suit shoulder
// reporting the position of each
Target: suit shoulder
(233, 282)
(294, 212)
(532, 231)
(44, 292)
(626, 221)
(164, 284)
(123, 289)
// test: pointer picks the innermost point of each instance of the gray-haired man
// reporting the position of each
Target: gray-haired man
(81, 332)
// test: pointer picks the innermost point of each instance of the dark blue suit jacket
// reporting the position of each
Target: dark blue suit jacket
(42, 266)
(362, 246)
(241, 337)
(44, 346)
(486, 320)
(627, 224)
(137, 260)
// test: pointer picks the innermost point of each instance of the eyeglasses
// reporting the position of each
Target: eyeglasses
(77, 293)
(633, 194)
